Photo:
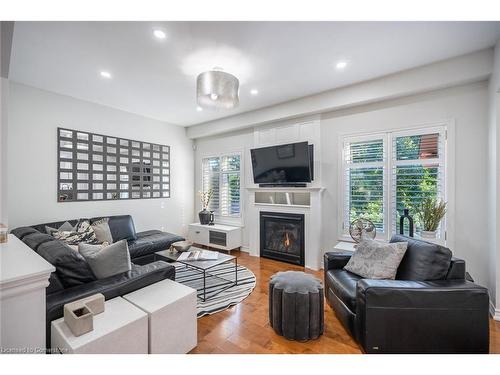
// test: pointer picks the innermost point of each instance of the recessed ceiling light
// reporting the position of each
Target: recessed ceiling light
(341, 64)
(199, 109)
(160, 34)
(105, 74)
(254, 91)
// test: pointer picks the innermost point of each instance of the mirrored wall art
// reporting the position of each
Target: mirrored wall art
(94, 167)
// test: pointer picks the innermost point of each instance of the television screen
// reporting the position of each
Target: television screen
(281, 164)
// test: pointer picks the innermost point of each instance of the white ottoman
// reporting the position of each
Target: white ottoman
(172, 316)
(121, 328)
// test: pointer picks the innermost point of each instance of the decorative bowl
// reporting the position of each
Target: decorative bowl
(182, 245)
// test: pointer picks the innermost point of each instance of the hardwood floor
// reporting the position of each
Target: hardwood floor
(245, 329)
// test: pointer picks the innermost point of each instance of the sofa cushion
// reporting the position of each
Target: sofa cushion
(376, 260)
(71, 267)
(121, 227)
(343, 284)
(106, 261)
(151, 241)
(423, 261)
(34, 240)
(21, 232)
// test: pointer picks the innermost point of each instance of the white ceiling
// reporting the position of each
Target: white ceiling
(283, 60)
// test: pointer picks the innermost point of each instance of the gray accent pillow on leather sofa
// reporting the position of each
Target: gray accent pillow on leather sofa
(376, 260)
(102, 231)
(423, 261)
(105, 261)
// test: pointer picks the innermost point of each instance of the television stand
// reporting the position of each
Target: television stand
(296, 185)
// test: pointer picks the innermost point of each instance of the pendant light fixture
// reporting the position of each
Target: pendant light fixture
(217, 89)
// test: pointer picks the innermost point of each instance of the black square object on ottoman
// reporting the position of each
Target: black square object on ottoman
(296, 305)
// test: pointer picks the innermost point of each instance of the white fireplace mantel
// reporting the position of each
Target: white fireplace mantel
(312, 220)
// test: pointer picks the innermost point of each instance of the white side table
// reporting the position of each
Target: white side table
(121, 328)
(24, 276)
(172, 316)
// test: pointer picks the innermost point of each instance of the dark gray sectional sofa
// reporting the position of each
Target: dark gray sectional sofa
(73, 278)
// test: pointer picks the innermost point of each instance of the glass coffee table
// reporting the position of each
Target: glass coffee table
(204, 267)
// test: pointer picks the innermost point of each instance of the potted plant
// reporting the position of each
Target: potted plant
(430, 213)
(204, 214)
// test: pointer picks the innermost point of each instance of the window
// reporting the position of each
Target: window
(221, 174)
(385, 173)
(364, 177)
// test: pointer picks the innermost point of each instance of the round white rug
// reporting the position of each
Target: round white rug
(221, 301)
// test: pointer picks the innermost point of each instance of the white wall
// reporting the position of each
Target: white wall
(34, 116)
(4, 94)
(468, 107)
(493, 178)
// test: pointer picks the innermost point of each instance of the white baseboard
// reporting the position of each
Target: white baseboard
(495, 313)
(246, 249)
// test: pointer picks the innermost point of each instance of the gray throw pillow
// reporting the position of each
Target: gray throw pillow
(377, 260)
(102, 231)
(106, 261)
(66, 227)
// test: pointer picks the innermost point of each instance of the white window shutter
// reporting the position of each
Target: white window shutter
(364, 167)
(222, 175)
(417, 172)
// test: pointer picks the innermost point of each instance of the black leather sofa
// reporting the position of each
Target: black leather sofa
(73, 278)
(429, 308)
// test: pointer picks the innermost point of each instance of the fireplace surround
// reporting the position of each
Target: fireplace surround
(282, 237)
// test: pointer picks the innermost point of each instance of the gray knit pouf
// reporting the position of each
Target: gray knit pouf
(296, 305)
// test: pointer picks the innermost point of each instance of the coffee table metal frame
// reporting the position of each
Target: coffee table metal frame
(195, 265)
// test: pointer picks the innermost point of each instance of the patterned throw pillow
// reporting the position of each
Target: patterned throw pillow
(102, 230)
(83, 234)
(377, 260)
(63, 228)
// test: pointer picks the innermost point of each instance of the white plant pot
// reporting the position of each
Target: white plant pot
(431, 235)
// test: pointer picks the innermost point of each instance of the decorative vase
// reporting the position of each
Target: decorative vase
(204, 216)
(406, 215)
(212, 218)
(3, 233)
(431, 235)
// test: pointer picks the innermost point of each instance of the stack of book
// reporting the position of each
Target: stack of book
(198, 255)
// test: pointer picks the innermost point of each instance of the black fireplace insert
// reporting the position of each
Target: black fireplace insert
(282, 237)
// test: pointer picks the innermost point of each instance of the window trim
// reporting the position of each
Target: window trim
(448, 127)
(220, 155)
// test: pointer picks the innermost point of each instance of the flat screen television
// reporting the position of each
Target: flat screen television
(282, 165)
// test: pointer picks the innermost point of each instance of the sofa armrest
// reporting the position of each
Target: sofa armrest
(457, 269)
(400, 316)
(428, 294)
(336, 259)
